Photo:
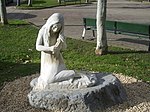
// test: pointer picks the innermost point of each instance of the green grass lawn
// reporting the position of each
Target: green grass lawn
(37, 4)
(19, 58)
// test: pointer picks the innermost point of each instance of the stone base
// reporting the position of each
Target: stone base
(107, 92)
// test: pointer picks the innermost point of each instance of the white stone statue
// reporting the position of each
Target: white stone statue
(50, 42)
(59, 89)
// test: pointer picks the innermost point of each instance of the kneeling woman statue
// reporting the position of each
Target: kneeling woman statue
(50, 42)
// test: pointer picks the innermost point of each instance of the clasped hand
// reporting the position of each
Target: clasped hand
(54, 49)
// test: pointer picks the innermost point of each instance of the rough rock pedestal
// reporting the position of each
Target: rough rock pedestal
(107, 92)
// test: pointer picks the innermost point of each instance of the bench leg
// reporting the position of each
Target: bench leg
(83, 34)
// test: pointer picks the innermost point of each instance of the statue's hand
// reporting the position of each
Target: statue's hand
(54, 49)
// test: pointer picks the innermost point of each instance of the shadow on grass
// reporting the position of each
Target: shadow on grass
(137, 41)
(38, 2)
(20, 16)
(11, 71)
(34, 2)
(22, 24)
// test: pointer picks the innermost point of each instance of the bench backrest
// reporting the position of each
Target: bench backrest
(89, 22)
(110, 25)
(133, 28)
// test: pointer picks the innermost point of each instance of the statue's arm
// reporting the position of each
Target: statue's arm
(58, 44)
(40, 46)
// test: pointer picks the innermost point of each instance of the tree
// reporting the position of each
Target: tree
(101, 47)
(30, 3)
(18, 2)
(87, 1)
(59, 1)
(3, 13)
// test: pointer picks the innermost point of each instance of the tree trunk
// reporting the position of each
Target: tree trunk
(18, 2)
(101, 47)
(59, 1)
(3, 13)
(30, 3)
(87, 1)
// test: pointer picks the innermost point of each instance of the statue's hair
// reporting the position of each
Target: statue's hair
(53, 19)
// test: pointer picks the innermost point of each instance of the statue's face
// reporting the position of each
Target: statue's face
(56, 27)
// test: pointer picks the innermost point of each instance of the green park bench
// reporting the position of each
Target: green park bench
(132, 29)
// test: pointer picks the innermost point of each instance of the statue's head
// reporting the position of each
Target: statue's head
(55, 23)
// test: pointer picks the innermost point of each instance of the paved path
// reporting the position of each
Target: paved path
(116, 10)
